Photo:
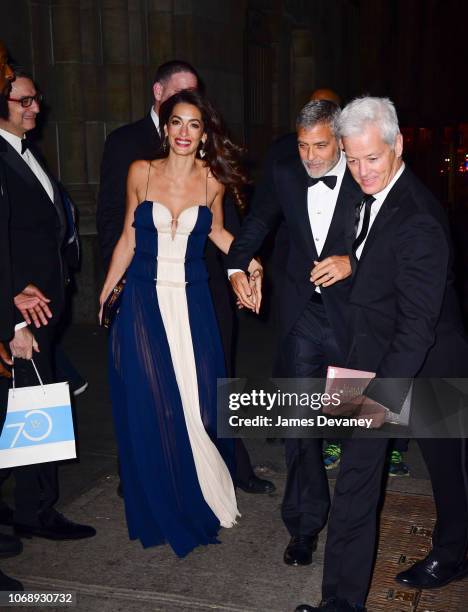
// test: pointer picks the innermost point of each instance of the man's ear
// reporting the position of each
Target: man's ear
(399, 145)
(157, 91)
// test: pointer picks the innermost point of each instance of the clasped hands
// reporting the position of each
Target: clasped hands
(248, 289)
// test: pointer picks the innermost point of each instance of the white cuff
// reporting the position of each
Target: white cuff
(20, 325)
(232, 271)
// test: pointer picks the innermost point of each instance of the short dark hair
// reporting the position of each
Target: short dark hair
(165, 71)
(21, 72)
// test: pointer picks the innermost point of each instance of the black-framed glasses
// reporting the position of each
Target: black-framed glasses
(26, 101)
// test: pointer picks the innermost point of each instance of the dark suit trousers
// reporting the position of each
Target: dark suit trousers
(306, 352)
(36, 486)
(446, 460)
(350, 547)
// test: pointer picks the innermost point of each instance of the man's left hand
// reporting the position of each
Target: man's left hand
(372, 410)
(331, 270)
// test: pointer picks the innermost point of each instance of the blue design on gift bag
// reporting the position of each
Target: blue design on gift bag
(37, 426)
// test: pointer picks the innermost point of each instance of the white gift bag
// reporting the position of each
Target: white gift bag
(38, 425)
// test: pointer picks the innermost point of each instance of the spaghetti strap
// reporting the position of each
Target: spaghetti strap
(147, 180)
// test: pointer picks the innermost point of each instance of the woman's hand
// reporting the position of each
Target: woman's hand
(102, 299)
(255, 270)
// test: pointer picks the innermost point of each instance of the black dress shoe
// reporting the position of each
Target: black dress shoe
(429, 573)
(57, 527)
(6, 515)
(257, 485)
(9, 584)
(10, 546)
(299, 550)
(324, 606)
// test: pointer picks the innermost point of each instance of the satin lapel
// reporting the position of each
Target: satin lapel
(15, 161)
(389, 208)
(343, 216)
(297, 199)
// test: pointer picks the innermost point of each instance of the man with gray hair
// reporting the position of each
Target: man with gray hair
(405, 324)
(315, 196)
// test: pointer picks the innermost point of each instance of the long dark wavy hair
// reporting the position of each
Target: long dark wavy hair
(221, 155)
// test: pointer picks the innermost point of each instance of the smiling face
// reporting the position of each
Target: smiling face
(318, 149)
(6, 73)
(185, 130)
(21, 120)
(372, 162)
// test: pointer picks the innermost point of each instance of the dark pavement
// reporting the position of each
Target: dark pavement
(244, 573)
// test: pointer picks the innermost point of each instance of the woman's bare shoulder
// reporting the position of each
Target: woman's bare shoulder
(138, 167)
(207, 174)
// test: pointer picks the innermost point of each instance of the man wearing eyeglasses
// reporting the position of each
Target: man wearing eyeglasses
(9, 545)
(37, 228)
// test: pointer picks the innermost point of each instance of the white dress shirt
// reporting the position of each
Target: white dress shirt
(375, 208)
(31, 161)
(321, 202)
(155, 118)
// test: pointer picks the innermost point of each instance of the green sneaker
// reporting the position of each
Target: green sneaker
(397, 466)
(331, 456)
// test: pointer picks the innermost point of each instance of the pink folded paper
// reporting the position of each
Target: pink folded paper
(346, 382)
(349, 383)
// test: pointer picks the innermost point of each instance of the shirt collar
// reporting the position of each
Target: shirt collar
(381, 195)
(155, 118)
(12, 139)
(339, 168)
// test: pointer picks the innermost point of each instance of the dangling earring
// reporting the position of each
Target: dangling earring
(202, 150)
(164, 144)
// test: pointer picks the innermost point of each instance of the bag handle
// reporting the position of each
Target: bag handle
(35, 369)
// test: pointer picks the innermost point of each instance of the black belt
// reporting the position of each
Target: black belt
(316, 297)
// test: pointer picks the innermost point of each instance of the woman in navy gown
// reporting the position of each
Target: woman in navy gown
(165, 349)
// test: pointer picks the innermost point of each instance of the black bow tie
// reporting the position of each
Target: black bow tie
(329, 180)
(24, 145)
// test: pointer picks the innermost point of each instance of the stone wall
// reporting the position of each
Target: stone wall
(94, 61)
